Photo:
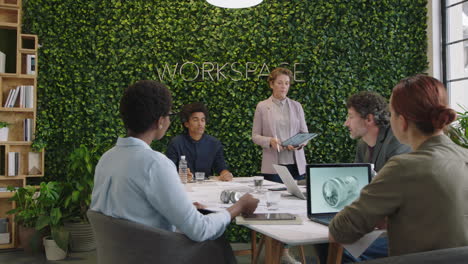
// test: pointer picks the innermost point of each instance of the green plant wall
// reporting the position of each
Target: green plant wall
(92, 50)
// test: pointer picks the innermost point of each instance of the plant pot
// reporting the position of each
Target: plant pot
(4, 133)
(81, 237)
(30, 239)
(53, 251)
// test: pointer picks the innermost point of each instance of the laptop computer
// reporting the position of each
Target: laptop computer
(289, 181)
(331, 187)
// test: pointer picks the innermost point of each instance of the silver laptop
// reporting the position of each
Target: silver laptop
(289, 181)
(333, 186)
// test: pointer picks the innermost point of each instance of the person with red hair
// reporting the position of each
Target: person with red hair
(419, 196)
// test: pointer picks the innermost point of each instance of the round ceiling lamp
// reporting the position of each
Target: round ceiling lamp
(234, 3)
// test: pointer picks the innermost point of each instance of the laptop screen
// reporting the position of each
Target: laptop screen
(333, 186)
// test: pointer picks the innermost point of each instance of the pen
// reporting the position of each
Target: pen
(277, 145)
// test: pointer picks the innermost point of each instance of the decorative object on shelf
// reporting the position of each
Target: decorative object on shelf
(34, 161)
(234, 3)
(4, 131)
(4, 232)
(31, 64)
(78, 189)
(458, 131)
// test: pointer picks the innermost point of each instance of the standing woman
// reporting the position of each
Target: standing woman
(422, 194)
(277, 119)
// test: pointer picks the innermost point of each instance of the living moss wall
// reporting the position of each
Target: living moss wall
(92, 50)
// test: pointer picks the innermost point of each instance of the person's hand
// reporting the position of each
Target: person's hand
(291, 147)
(226, 176)
(189, 175)
(199, 205)
(248, 203)
(300, 146)
(382, 224)
(275, 143)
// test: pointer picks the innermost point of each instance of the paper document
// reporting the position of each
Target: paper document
(358, 247)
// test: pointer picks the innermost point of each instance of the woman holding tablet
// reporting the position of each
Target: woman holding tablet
(277, 119)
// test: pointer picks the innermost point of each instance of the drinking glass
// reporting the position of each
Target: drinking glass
(258, 183)
(272, 200)
(199, 177)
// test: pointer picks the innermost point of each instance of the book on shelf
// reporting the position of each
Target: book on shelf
(27, 129)
(34, 163)
(2, 160)
(29, 97)
(11, 99)
(26, 96)
(7, 101)
(11, 103)
(13, 163)
(31, 64)
(2, 62)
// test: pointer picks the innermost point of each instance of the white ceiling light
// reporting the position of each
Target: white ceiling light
(234, 3)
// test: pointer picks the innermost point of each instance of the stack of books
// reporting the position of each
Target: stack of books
(26, 97)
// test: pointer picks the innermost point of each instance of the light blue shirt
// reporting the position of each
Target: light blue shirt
(136, 183)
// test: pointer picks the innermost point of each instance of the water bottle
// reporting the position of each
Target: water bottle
(183, 169)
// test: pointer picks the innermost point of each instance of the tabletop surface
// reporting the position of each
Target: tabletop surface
(208, 193)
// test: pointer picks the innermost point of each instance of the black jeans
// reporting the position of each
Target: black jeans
(292, 168)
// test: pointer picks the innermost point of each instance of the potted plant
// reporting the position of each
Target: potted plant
(458, 132)
(4, 131)
(27, 211)
(38, 213)
(50, 221)
(78, 189)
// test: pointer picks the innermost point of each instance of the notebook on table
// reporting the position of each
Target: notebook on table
(331, 187)
(289, 181)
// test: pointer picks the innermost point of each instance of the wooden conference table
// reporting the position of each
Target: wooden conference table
(208, 193)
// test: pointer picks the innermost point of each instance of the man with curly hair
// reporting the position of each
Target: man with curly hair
(368, 121)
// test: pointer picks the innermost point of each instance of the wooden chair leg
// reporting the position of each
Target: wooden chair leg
(302, 254)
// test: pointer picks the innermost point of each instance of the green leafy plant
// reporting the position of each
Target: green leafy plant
(3, 124)
(40, 208)
(51, 220)
(79, 183)
(27, 209)
(458, 132)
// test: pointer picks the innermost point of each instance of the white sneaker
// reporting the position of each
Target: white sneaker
(287, 259)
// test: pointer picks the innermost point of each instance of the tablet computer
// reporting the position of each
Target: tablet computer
(298, 139)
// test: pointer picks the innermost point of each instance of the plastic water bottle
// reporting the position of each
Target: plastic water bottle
(183, 169)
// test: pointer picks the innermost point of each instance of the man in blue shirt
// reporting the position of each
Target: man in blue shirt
(204, 153)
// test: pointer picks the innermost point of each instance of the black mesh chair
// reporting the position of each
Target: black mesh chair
(121, 241)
